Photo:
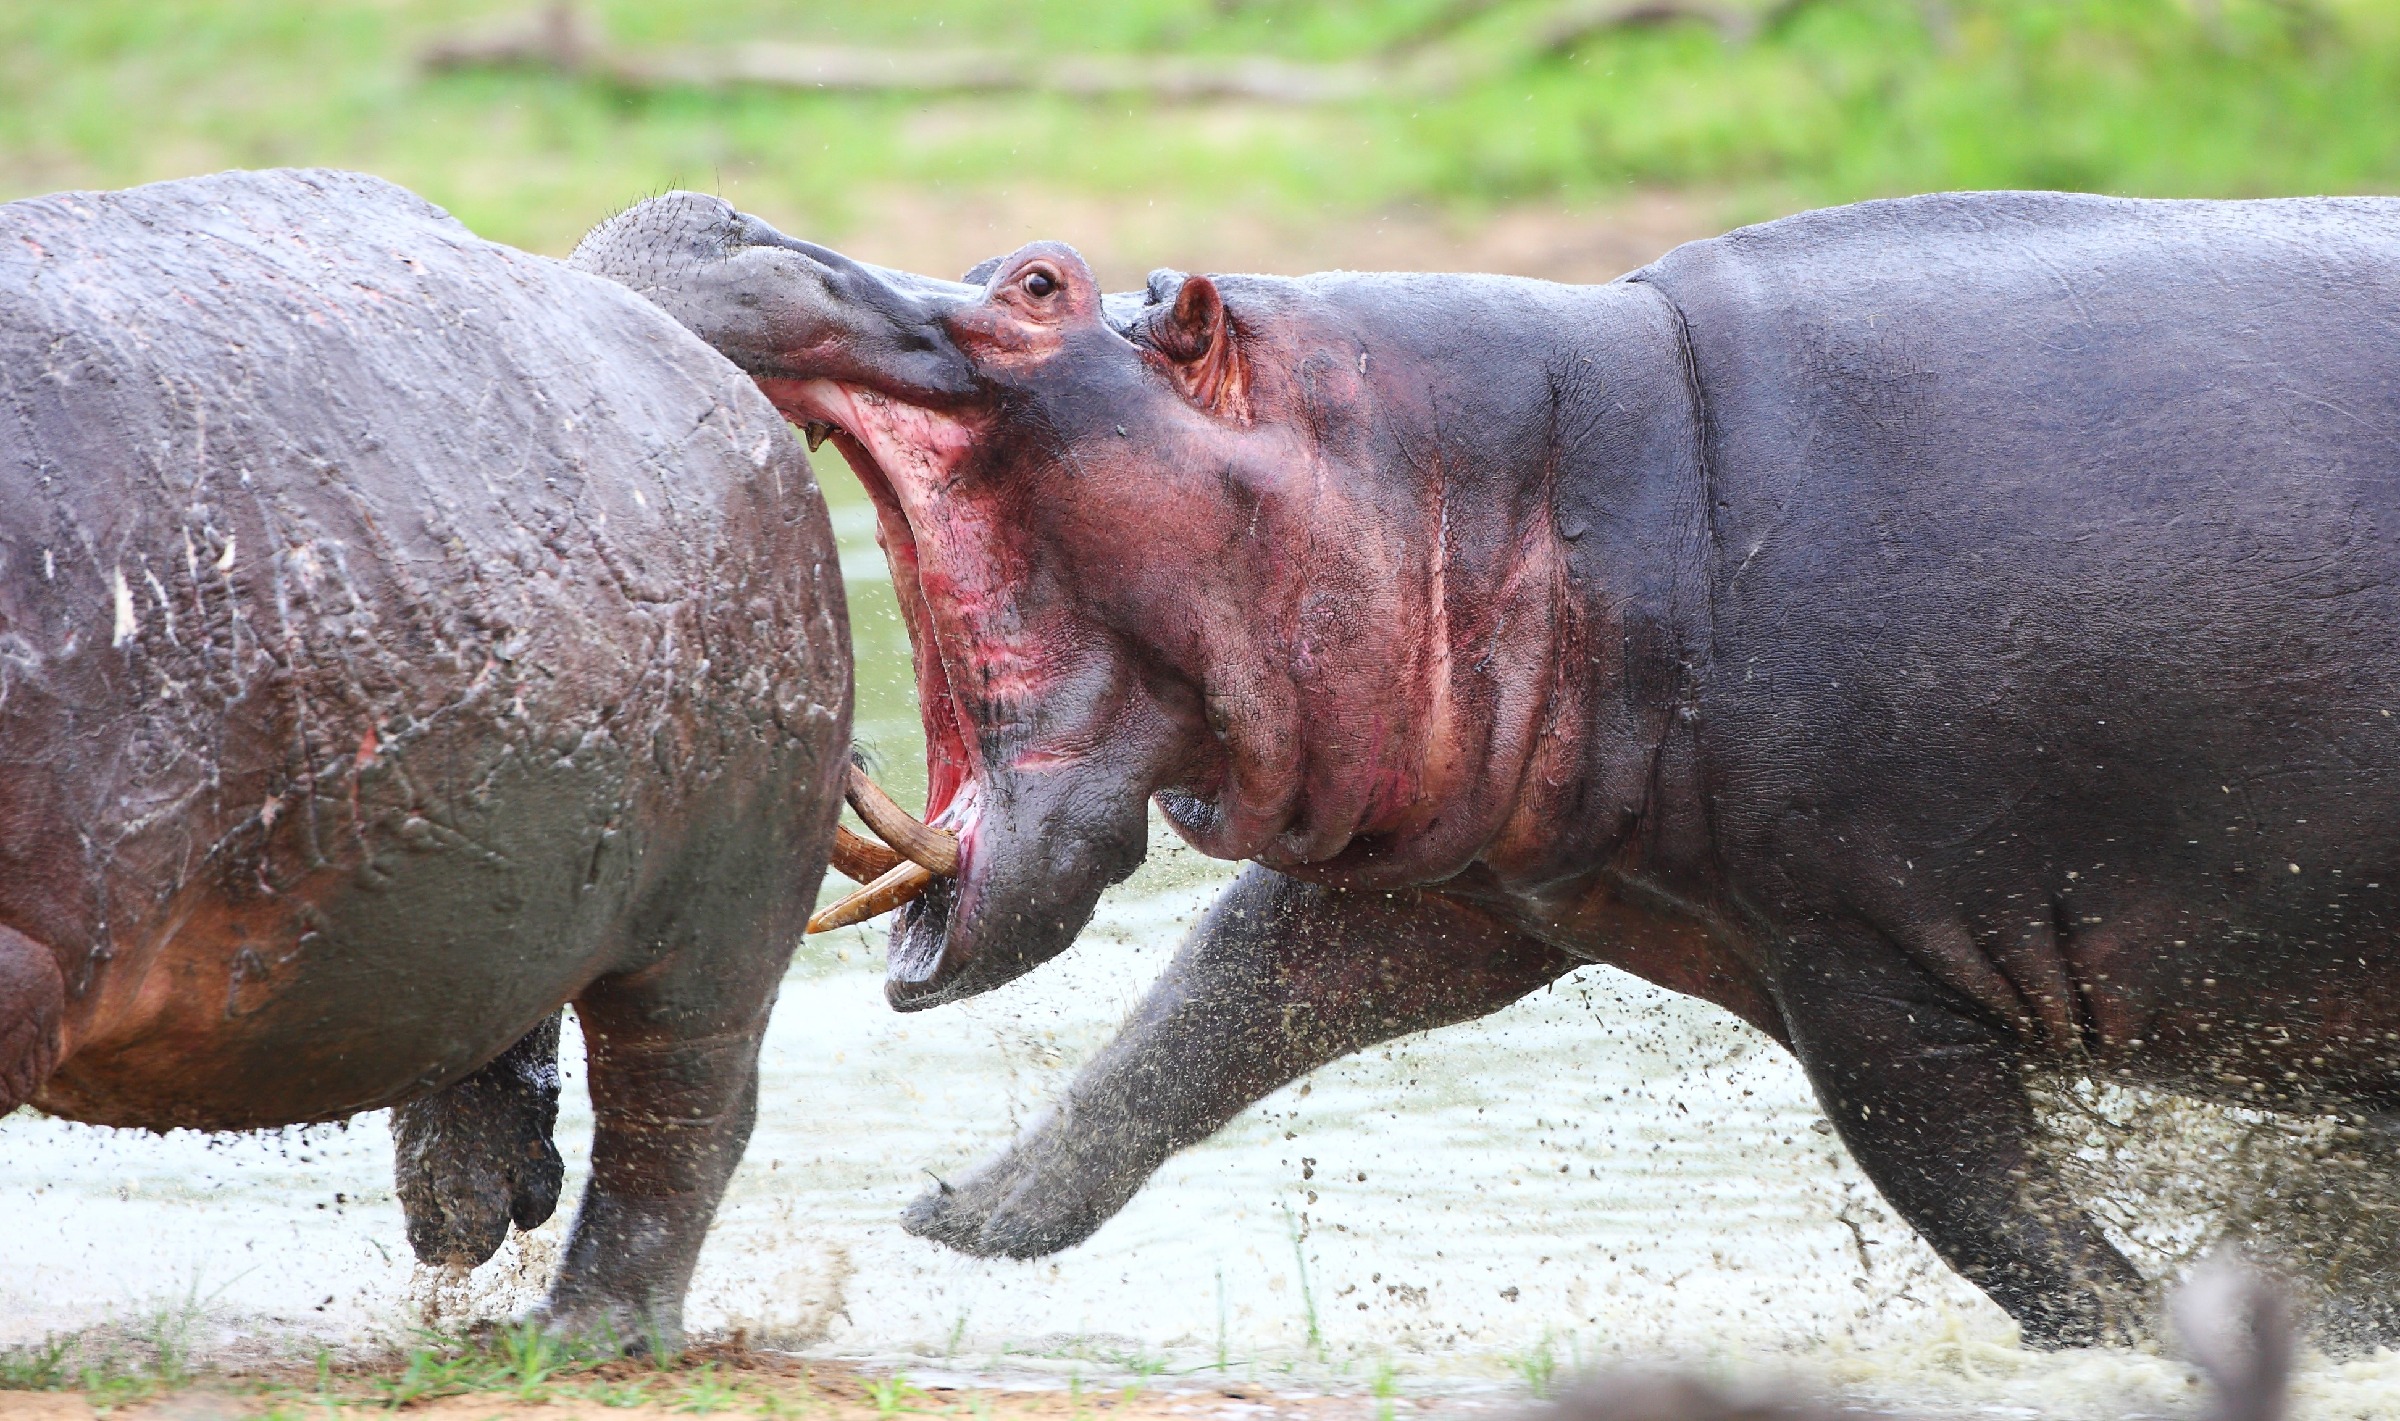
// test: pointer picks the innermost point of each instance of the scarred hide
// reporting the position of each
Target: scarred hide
(401, 636)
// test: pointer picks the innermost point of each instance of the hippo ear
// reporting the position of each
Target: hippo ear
(1203, 350)
(981, 273)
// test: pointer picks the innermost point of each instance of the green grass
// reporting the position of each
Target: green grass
(1844, 98)
(1308, 1295)
(112, 1366)
(115, 1367)
(1385, 1389)
(893, 1394)
(1537, 1367)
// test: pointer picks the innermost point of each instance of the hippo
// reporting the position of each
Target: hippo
(401, 636)
(1954, 635)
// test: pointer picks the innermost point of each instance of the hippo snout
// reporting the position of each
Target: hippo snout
(659, 242)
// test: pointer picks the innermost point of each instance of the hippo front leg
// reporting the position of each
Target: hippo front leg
(470, 1160)
(33, 1015)
(1279, 978)
(1928, 1094)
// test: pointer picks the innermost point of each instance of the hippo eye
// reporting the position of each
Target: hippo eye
(1040, 283)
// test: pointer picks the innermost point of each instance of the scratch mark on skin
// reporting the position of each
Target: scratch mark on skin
(127, 627)
(166, 608)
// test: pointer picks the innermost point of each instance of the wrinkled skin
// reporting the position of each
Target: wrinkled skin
(1952, 635)
(401, 636)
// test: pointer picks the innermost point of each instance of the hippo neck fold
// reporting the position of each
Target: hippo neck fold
(1543, 615)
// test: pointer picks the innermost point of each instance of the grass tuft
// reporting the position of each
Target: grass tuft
(1538, 1367)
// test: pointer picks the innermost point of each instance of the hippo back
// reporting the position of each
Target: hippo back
(395, 629)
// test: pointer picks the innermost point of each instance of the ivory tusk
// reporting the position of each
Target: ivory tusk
(895, 889)
(936, 849)
(859, 859)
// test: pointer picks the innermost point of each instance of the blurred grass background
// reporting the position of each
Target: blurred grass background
(1798, 103)
(1564, 138)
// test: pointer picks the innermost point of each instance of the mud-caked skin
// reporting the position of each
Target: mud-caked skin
(1952, 634)
(401, 636)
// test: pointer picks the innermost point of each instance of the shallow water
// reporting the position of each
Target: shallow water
(1601, 1171)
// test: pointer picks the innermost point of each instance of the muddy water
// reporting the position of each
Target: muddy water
(1602, 1171)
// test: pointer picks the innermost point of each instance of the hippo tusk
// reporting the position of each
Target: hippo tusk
(936, 849)
(861, 859)
(895, 889)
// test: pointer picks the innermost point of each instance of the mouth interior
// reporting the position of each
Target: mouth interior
(859, 422)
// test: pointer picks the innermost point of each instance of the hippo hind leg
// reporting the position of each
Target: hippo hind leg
(1929, 1095)
(673, 1062)
(474, 1158)
(33, 1011)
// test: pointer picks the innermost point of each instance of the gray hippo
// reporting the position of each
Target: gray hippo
(1955, 635)
(401, 635)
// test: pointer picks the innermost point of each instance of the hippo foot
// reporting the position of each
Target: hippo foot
(610, 1326)
(477, 1157)
(1051, 1190)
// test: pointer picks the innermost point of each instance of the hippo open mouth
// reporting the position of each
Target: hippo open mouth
(1039, 754)
(873, 432)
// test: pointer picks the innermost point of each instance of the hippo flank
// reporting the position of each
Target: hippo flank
(1954, 635)
(401, 635)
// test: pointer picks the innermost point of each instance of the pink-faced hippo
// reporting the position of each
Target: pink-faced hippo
(1954, 635)
(401, 636)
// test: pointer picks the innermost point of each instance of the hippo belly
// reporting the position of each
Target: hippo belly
(250, 1019)
(400, 636)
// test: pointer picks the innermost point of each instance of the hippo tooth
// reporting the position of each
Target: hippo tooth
(860, 859)
(896, 889)
(934, 849)
(818, 431)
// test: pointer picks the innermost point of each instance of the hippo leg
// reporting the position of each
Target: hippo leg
(478, 1156)
(1928, 1094)
(673, 1064)
(1280, 978)
(33, 1015)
